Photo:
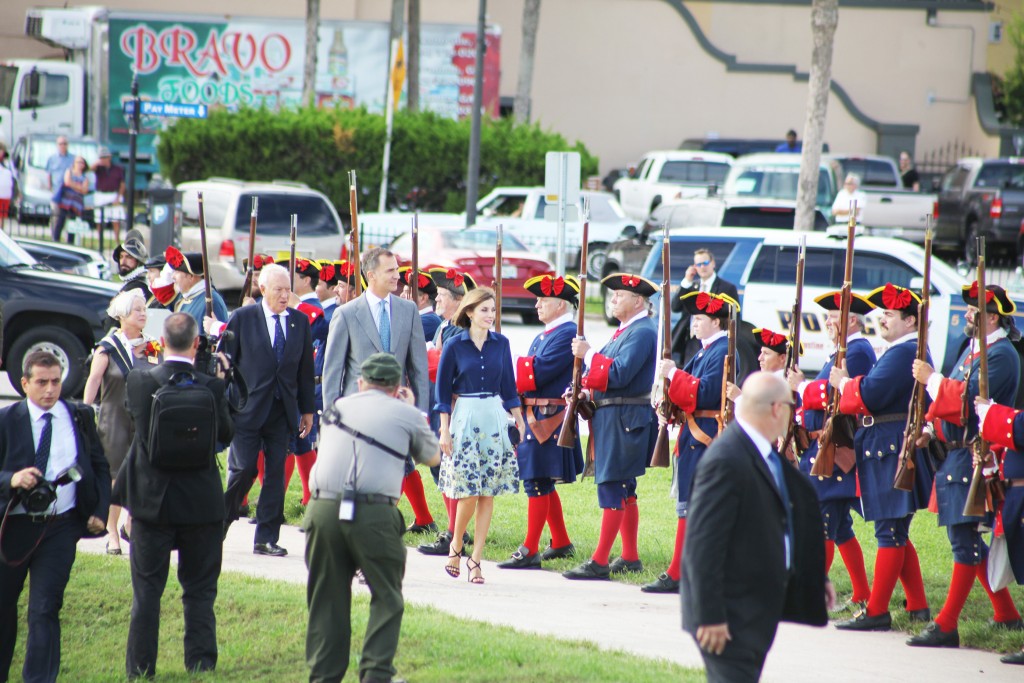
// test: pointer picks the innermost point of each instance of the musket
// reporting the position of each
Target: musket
(660, 456)
(826, 458)
(353, 207)
(250, 271)
(497, 281)
(726, 406)
(904, 480)
(790, 447)
(206, 270)
(976, 498)
(291, 247)
(574, 406)
(414, 274)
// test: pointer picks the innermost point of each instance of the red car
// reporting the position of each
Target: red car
(471, 250)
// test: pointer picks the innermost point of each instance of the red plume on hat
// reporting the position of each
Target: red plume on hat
(989, 294)
(423, 279)
(327, 272)
(554, 286)
(630, 280)
(174, 257)
(709, 304)
(896, 298)
(302, 264)
(455, 276)
(347, 269)
(260, 260)
(770, 338)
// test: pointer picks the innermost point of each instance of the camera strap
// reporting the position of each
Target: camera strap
(3, 528)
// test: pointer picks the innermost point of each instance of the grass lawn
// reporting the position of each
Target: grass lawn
(262, 628)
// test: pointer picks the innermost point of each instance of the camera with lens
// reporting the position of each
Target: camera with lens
(38, 499)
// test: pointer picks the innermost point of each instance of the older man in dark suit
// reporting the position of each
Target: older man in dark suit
(173, 508)
(754, 550)
(41, 437)
(273, 349)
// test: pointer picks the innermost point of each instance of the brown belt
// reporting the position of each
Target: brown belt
(1010, 483)
(869, 420)
(695, 429)
(551, 408)
(560, 402)
(813, 436)
(623, 401)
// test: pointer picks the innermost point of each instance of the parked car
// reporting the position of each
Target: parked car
(735, 147)
(32, 184)
(665, 175)
(472, 250)
(762, 265)
(981, 197)
(48, 310)
(227, 207)
(776, 176)
(890, 210)
(727, 213)
(67, 258)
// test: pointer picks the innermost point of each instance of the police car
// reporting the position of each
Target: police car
(762, 265)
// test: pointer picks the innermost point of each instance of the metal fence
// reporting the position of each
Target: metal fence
(933, 164)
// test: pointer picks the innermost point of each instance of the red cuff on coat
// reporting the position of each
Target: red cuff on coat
(164, 294)
(948, 403)
(525, 380)
(998, 426)
(597, 378)
(312, 312)
(683, 391)
(816, 395)
(851, 402)
(433, 358)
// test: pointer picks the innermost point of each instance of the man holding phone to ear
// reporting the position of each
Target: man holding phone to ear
(700, 277)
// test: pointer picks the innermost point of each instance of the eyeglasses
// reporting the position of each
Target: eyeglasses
(702, 263)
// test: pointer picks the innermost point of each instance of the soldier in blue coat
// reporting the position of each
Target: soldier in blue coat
(327, 286)
(951, 398)
(1004, 426)
(696, 390)
(879, 399)
(837, 494)
(427, 293)
(624, 427)
(541, 379)
(191, 287)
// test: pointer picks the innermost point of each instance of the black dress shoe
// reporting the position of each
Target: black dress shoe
(421, 528)
(589, 570)
(466, 538)
(923, 615)
(439, 546)
(252, 520)
(933, 636)
(1014, 625)
(862, 622)
(243, 510)
(621, 566)
(663, 584)
(271, 549)
(1015, 658)
(550, 553)
(521, 559)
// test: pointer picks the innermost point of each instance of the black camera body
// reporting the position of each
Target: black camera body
(38, 499)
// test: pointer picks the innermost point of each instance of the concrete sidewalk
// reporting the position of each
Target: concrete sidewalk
(619, 616)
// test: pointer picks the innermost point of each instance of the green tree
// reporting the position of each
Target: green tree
(1012, 95)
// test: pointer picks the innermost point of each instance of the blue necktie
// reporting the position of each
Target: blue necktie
(384, 327)
(775, 463)
(43, 451)
(278, 339)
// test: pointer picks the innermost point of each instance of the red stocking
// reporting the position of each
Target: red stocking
(536, 516)
(611, 520)
(675, 567)
(853, 558)
(913, 584)
(304, 464)
(1002, 602)
(960, 585)
(556, 522)
(888, 564)
(412, 487)
(630, 529)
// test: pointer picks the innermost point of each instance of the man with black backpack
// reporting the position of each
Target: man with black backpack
(172, 485)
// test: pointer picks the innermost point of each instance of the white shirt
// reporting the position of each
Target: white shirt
(936, 379)
(374, 301)
(197, 289)
(703, 285)
(180, 359)
(622, 326)
(271, 326)
(560, 320)
(843, 200)
(765, 448)
(705, 343)
(63, 452)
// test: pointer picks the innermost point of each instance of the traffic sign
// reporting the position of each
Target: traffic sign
(174, 109)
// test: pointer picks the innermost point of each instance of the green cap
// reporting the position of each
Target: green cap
(382, 369)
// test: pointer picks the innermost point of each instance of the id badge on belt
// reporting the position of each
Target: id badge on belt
(347, 507)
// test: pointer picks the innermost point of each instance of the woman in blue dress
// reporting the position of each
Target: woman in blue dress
(475, 392)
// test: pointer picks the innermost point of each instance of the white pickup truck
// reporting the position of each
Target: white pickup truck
(668, 175)
(891, 210)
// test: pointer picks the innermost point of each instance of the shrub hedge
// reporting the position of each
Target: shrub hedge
(319, 146)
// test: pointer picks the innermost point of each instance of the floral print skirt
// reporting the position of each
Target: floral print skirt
(483, 460)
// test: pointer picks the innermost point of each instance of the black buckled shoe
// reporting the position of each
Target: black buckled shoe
(924, 615)
(439, 545)
(1015, 658)
(589, 570)
(430, 527)
(663, 584)
(269, 549)
(1014, 625)
(550, 553)
(621, 566)
(933, 636)
(521, 559)
(862, 622)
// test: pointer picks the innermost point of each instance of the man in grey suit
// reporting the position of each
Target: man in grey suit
(376, 321)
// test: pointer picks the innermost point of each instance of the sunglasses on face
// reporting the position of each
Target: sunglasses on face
(702, 263)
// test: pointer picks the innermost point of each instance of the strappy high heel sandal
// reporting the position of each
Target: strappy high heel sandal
(454, 570)
(474, 566)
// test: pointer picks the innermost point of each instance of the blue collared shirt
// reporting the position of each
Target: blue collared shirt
(465, 369)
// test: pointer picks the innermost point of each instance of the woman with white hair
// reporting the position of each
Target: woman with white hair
(124, 347)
